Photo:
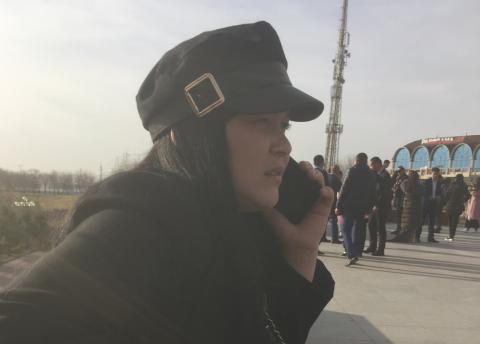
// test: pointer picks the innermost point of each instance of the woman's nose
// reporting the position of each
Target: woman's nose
(282, 146)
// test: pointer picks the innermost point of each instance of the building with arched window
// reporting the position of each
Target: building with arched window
(440, 157)
(420, 158)
(452, 155)
(476, 160)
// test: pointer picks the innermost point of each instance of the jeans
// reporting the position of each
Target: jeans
(353, 227)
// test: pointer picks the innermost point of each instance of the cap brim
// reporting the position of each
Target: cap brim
(278, 98)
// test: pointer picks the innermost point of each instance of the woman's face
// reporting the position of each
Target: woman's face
(258, 155)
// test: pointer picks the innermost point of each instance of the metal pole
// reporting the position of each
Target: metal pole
(334, 127)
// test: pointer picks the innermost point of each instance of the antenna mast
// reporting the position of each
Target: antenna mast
(334, 127)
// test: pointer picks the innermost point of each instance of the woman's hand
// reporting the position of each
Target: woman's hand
(300, 242)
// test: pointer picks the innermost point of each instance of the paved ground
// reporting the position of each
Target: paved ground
(418, 293)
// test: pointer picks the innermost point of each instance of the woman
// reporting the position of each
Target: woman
(473, 208)
(457, 195)
(188, 248)
(412, 209)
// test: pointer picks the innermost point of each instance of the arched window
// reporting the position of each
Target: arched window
(402, 158)
(462, 156)
(420, 158)
(440, 157)
(476, 161)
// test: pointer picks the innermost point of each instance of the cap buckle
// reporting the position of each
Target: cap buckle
(197, 89)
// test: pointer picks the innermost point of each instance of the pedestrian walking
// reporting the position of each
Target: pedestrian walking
(356, 200)
(381, 209)
(457, 195)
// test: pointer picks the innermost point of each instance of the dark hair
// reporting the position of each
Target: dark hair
(435, 169)
(198, 153)
(376, 159)
(412, 181)
(459, 177)
(386, 161)
(362, 158)
(318, 159)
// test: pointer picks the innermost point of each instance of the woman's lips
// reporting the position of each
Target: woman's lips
(277, 171)
(276, 174)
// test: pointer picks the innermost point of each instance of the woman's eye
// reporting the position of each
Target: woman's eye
(273, 123)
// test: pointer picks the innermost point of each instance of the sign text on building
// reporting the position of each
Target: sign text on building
(443, 140)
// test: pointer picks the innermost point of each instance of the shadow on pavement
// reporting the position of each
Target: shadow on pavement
(407, 248)
(416, 273)
(429, 263)
(339, 328)
(393, 264)
(458, 246)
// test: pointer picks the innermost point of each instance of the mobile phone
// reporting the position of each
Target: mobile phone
(297, 193)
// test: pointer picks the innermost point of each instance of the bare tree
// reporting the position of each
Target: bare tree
(83, 180)
(123, 163)
(65, 181)
(44, 179)
(33, 180)
(20, 181)
(53, 181)
(6, 182)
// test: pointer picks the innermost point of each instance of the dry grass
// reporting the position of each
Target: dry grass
(56, 209)
(50, 202)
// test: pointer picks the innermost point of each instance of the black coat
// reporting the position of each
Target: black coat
(432, 203)
(428, 188)
(357, 195)
(384, 193)
(336, 184)
(456, 197)
(146, 263)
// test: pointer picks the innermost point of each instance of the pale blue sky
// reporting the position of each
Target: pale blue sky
(70, 70)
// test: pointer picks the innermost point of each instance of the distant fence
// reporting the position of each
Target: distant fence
(469, 173)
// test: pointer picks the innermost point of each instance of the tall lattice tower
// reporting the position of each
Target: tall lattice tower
(334, 127)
